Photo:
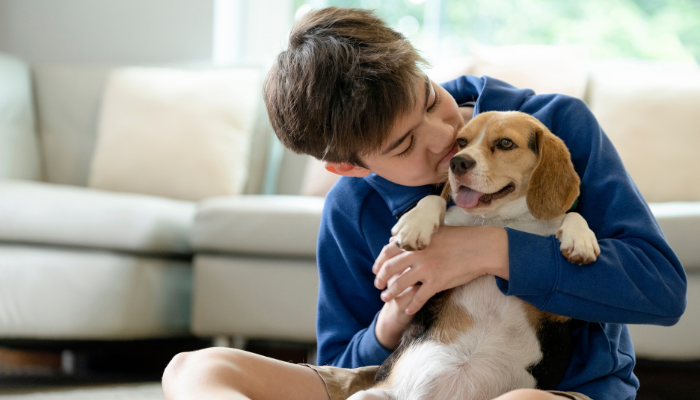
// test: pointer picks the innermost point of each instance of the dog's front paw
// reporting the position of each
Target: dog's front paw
(414, 229)
(413, 233)
(578, 242)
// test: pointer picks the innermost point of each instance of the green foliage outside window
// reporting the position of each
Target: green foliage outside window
(639, 29)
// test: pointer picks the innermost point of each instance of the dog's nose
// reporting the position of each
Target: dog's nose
(461, 164)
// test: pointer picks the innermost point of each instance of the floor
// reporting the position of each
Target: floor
(659, 380)
(668, 380)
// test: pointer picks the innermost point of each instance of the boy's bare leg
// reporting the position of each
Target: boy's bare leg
(529, 394)
(221, 373)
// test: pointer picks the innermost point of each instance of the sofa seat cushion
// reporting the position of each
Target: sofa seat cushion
(257, 297)
(680, 223)
(42, 213)
(59, 293)
(279, 225)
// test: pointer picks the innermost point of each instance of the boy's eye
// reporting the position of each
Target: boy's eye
(461, 142)
(408, 149)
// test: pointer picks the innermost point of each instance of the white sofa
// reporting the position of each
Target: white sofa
(78, 263)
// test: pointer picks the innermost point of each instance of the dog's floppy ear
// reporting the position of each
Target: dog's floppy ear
(446, 192)
(554, 184)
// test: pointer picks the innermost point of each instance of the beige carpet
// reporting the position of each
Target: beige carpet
(149, 391)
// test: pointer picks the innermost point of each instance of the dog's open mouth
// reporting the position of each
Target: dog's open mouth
(469, 198)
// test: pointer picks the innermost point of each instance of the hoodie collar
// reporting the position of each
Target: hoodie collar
(399, 198)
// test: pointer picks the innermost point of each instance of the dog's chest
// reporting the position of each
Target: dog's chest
(500, 324)
(513, 215)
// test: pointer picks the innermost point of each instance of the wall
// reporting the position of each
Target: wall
(109, 31)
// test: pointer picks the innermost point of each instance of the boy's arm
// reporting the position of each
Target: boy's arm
(348, 303)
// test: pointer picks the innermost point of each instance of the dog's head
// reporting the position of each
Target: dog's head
(504, 156)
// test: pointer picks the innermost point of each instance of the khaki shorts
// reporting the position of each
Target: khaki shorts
(342, 383)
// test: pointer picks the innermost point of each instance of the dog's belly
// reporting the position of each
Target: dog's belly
(488, 359)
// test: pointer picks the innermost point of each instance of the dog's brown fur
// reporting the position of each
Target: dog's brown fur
(554, 185)
(451, 320)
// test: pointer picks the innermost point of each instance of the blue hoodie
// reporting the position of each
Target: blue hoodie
(636, 280)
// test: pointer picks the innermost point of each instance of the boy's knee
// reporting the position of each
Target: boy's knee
(528, 394)
(213, 360)
(174, 366)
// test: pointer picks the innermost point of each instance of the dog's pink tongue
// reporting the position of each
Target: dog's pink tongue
(467, 198)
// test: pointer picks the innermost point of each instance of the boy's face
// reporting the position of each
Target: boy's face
(421, 143)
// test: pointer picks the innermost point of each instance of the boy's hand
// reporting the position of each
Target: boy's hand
(455, 256)
(393, 320)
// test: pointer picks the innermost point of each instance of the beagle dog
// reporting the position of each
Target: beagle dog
(472, 342)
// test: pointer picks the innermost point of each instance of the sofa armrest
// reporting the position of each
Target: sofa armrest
(680, 222)
(260, 225)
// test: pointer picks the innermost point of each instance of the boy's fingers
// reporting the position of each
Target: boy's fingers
(397, 284)
(405, 298)
(394, 278)
(388, 252)
(421, 297)
(394, 266)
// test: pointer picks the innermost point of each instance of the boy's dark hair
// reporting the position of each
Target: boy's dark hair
(341, 84)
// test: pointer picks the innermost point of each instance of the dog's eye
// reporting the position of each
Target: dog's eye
(462, 143)
(506, 144)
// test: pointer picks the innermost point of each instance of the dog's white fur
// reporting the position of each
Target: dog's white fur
(481, 364)
(492, 356)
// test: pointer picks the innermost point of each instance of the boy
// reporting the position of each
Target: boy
(349, 91)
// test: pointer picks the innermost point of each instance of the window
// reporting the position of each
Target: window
(638, 29)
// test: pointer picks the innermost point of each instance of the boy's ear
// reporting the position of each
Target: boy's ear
(346, 169)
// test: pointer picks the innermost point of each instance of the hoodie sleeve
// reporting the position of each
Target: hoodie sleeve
(348, 302)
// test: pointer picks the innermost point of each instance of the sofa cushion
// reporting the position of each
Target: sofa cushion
(69, 96)
(68, 99)
(680, 223)
(282, 225)
(266, 298)
(53, 293)
(679, 342)
(33, 212)
(650, 113)
(19, 151)
(544, 69)
(317, 180)
(182, 134)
